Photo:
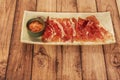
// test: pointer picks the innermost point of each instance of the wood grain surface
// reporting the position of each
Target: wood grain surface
(44, 57)
(20, 57)
(92, 56)
(19, 61)
(7, 11)
(118, 5)
(112, 52)
(69, 55)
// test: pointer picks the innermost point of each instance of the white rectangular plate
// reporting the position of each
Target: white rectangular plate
(103, 17)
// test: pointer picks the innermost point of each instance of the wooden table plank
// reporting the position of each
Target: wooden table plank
(44, 59)
(112, 52)
(68, 57)
(93, 64)
(118, 5)
(59, 62)
(7, 9)
(44, 65)
(20, 58)
(71, 64)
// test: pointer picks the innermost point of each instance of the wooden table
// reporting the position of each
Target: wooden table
(20, 61)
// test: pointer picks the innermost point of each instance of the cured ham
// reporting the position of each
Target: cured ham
(75, 30)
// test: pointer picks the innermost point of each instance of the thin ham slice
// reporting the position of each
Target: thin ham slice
(74, 30)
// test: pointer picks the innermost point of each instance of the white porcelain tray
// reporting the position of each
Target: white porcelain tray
(103, 17)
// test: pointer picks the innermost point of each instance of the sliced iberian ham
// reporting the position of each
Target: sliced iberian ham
(67, 29)
(58, 30)
(74, 30)
(52, 31)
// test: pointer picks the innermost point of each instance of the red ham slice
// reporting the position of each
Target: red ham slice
(72, 29)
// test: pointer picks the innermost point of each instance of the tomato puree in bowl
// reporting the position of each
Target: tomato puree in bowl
(35, 26)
